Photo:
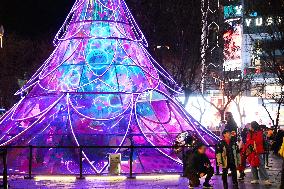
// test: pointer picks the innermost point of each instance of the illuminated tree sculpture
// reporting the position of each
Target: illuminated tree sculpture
(100, 87)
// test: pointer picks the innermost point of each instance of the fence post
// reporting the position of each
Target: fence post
(131, 162)
(30, 163)
(5, 171)
(81, 163)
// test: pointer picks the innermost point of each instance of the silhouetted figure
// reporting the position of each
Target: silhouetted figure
(199, 165)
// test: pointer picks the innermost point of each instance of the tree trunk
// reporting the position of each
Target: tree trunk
(268, 113)
(277, 118)
(186, 97)
(201, 115)
(240, 112)
(222, 114)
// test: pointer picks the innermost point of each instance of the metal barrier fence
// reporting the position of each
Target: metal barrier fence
(4, 153)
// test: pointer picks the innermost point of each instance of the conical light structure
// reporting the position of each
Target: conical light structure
(99, 87)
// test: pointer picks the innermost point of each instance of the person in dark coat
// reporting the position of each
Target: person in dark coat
(278, 142)
(231, 125)
(199, 165)
(244, 134)
(268, 136)
(228, 156)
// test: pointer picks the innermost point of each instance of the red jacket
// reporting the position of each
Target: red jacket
(256, 140)
(253, 159)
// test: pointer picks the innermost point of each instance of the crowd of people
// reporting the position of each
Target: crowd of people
(237, 149)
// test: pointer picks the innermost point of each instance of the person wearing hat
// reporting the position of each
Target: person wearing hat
(199, 166)
(228, 156)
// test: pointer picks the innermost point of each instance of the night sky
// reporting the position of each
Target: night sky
(37, 18)
(33, 17)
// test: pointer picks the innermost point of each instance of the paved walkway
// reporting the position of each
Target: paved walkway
(146, 182)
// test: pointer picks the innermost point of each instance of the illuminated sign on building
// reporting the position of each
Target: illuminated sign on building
(233, 37)
(259, 21)
(232, 49)
(232, 11)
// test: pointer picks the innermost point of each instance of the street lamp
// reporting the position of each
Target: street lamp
(1, 36)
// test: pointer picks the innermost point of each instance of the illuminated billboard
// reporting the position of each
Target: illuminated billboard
(232, 48)
(232, 11)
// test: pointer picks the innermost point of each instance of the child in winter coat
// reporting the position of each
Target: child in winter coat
(228, 156)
